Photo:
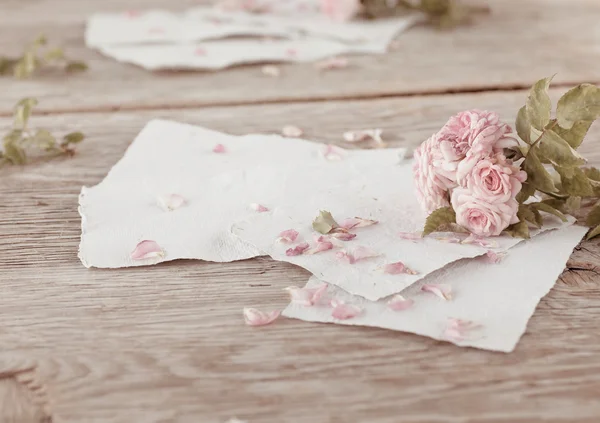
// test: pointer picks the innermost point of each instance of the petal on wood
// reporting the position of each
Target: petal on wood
(147, 249)
(399, 303)
(171, 202)
(441, 290)
(271, 70)
(254, 317)
(292, 131)
(364, 135)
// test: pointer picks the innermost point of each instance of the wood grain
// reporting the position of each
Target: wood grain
(168, 344)
(520, 42)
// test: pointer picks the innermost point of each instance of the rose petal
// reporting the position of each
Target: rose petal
(458, 329)
(320, 247)
(494, 257)
(332, 153)
(254, 317)
(200, 51)
(297, 250)
(171, 202)
(399, 303)
(306, 296)
(360, 253)
(364, 135)
(448, 239)
(147, 249)
(412, 236)
(343, 236)
(343, 311)
(357, 222)
(270, 70)
(288, 236)
(398, 268)
(332, 63)
(292, 131)
(482, 242)
(219, 148)
(258, 208)
(441, 290)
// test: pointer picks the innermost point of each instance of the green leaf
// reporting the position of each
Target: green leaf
(528, 214)
(573, 203)
(518, 230)
(76, 66)
(53, 54)
(574, 136)
(523, 125)
(324, 222)
(593, 233)
(539, 106)
(15, 154)
(593, 217)
(23, 111)
(537, 175)
(44, 139)
(527, 191)
(557, 151)
(75, 138)
(579, 103)
(549, 209)
(438, 219)
(578, 184)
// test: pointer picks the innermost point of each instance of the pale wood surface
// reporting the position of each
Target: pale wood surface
(168, 344)
(520, 42)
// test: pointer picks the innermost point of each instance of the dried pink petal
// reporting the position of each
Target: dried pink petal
(399, 303)
(171, 202)
(306, 296)
(412, 236)
(359, 253)
(288, 236)
(458, 329)
(254, 317)
(343, 236)
(398, 268)
(147, 249)
(332, 63)
(258, 208)
(292, 131)
(357, 222)
(494, 257)
(441, 290)
(297, 250)
(343, 311)
(200, 51)
(332, 153)
(219, 148)
(364, 135)
(320, 247)
(271, 70)
(449, 239)
(482, 242)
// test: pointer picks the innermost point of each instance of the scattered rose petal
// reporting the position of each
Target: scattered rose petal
(147, 249)
(271, 70)
(332, 63)
(332, 153)
(292, 131)
(320, 247)
(494, 257)
(297, 250)
(343, 236)
(258, 208)
(449, 239)
(441, 290)
(412, 236)
(343, 311)
(457, 329)
(357, 222)
(360, 253)
(482, 242)
(219, 148)
(171, 202)
(398, 268)
(364, 135)
(200, 51)
(254, 317)
(288, 236)
(399, 303)
(306, 296)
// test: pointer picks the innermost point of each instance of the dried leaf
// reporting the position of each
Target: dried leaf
(523, 125)
(537, 175)
(76, 66)
(592, 173)
(593, 233)
(539, 106)
(526, 213)
(23, 111)
(575, 135)
(593, 217)
(557, 151)
(527, 190)
(573, 204)
(15, 154)
(518, 230)
(44, 139)
(324, 223)
(579, 103)
(438, 219)
(574, 182)
(73, 138)
(53, 54)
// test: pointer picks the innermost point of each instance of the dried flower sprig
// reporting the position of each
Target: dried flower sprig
(38, 55)
(21, 137)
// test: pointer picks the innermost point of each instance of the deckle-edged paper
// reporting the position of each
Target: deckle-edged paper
(219, 189)
(498, 299)
(385, 194)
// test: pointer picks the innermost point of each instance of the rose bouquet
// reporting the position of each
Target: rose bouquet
(475, 175)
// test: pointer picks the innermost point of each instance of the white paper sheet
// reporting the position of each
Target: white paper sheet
(174, 158)
(500, 298)
(385, 194)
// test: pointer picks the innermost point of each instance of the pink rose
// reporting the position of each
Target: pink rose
(341, 10)
(494, 179)
(431, 187)
(481, 217)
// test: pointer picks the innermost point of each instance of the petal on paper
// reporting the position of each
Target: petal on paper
(441, 290)
(219, 148)
(399, 303)
(292, 131)
(258, 208)
(459, 329)
(494, 257)
(453, 334)
(357, 222)
(398, 268)
(332, 63)
(297, 250)
(254, 317)
(147, 249)
(320, 247)
(343, 236)
(306, 296)
(332, 153)
(345, 311)
(412, 236)
(364, 135)
(482, 242)
(171, 202)
(359, 253)
(449, 239)
(271, 70)
(288, 236)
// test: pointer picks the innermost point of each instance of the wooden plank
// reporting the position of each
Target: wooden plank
(168, 343)
(520, 42)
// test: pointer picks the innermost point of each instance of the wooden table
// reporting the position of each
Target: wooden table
(168, 344)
